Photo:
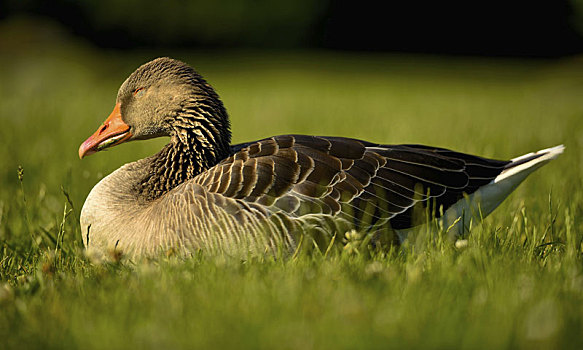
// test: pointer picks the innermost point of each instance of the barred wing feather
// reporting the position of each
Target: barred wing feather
(347, 178)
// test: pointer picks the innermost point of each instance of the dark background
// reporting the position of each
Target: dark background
(549, 28)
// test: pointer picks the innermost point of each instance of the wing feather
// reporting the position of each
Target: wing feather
(362, 182)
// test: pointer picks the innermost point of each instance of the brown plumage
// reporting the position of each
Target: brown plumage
(199, 192)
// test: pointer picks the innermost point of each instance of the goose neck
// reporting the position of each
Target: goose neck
(186, 156)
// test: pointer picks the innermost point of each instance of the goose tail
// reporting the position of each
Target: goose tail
(520, 167)
(487, 198)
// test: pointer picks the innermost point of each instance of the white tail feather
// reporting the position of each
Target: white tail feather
(524, 169)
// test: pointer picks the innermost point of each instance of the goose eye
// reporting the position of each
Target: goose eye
(138, 91)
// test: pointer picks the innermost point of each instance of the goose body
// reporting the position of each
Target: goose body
(201, 193)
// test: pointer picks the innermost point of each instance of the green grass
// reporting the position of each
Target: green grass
(517, 284)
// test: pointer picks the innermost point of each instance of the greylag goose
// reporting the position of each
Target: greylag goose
(202, 193)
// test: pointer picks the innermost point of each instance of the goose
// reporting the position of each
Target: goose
(200, 193)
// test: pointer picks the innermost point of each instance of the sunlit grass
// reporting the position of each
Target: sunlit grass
(516, 282)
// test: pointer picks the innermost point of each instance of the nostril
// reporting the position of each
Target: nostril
(102, 128)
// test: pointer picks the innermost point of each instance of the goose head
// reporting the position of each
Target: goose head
(164, 97)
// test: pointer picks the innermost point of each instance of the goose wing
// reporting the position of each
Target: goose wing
(349, 178)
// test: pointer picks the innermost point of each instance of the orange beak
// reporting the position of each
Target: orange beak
(113, 132)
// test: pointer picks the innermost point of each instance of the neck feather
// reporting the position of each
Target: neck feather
(199, 141)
